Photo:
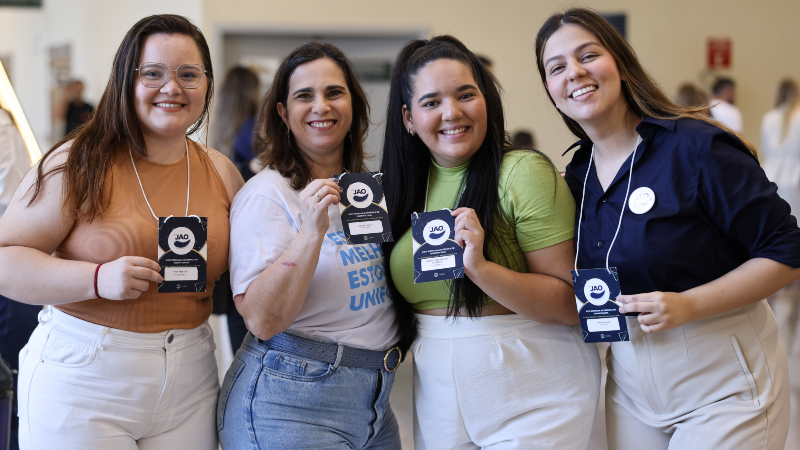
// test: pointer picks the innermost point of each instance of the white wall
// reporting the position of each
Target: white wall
(94, 28)
(669, 37)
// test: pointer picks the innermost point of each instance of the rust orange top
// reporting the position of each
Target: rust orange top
(127, 228)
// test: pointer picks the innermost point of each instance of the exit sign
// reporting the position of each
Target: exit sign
(719, 53)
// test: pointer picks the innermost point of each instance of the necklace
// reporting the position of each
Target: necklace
(142, 188)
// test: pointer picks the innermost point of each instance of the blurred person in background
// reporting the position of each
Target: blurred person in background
(115, 364)
(235, 125)
(780, 145)
(723, 97)
(73, 109)
(691, 96)
(524, 139)
(234, 135)
(17, 320)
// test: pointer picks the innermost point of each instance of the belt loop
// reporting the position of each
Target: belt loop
(100, 337)
(45, 318)
(339, 353)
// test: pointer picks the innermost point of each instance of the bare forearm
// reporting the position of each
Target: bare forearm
(30, 276)
(538, 297)
(752, 281)
(275, 298)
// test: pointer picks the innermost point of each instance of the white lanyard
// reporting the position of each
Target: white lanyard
(142, 188)
(583, 197)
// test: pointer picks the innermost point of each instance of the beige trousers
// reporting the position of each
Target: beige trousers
(718, 383)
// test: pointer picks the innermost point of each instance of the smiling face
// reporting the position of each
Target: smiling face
(448, 112)
(168, 112)
(319, 110)
(582, 77)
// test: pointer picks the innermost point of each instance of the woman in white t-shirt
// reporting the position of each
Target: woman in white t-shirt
(780, 144)
(316, 369)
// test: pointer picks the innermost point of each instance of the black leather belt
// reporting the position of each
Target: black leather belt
(329, 351)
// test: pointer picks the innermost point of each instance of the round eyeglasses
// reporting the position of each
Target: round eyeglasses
(155, 75)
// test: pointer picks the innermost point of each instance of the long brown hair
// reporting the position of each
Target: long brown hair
(789, 100)
(276, 149)
(642, 94)
(115, 123)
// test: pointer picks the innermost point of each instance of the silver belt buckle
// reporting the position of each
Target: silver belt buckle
(386, 358)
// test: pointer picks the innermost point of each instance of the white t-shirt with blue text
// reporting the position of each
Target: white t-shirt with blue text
(348, 300)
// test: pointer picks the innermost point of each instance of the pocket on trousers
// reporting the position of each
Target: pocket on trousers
(230, 378)
(290, 366)
(66, 353)
(746, 369)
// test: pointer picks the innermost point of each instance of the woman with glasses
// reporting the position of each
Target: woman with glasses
(117, 362)
(317, 367)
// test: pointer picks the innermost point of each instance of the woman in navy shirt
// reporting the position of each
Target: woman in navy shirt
(702, 240)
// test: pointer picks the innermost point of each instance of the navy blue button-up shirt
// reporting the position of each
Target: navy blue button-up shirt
(714, 209)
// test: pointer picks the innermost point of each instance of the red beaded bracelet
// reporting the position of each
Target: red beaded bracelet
(96, 271)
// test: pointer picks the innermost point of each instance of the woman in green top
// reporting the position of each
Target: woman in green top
(498, 359)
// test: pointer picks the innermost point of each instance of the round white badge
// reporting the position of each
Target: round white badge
(359, 195)
(596, 291)
(436, 232)
(642, 200)
(181, 240)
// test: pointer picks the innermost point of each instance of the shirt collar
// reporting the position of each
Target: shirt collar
(645, 129)
(647, 123)
(669, 124)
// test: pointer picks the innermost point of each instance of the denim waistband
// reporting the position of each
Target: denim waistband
(332, 352)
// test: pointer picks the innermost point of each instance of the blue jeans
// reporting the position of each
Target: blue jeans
(275, 400)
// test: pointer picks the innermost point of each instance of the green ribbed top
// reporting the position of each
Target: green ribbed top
(537, 203)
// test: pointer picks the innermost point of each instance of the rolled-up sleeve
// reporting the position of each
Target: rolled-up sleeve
(732, 189)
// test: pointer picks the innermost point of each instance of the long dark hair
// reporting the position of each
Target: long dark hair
(237, 101)
(114, 122)
(276, 149)
(642, 94)
(406, 159)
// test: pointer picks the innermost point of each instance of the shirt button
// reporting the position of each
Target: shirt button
(170, 338)
(605, 200)
(599, 244)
